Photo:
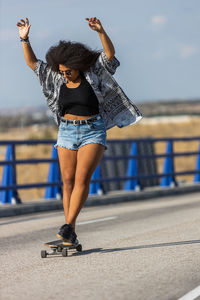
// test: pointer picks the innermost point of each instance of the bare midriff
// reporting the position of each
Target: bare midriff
(75, 117)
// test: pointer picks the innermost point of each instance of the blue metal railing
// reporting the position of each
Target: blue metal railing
(168, 168)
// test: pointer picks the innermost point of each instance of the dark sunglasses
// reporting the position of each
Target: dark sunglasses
(68, 72)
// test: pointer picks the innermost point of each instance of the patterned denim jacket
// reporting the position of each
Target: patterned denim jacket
(115, 107)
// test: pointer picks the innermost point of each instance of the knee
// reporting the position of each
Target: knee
(68, 182)
(82, 180)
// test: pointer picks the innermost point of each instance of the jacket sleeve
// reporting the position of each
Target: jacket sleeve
(47, 79)
(103, 62)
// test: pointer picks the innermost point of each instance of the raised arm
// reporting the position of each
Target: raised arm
(29, 55)
(108, 47)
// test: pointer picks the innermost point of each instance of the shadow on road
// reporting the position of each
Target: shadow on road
(101, 250)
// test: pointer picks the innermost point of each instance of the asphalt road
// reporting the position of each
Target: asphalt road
(135, 250)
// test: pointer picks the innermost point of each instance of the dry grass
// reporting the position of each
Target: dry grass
(168, 127)
(163, 128)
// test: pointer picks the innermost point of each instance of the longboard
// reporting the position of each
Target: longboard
(58, 247)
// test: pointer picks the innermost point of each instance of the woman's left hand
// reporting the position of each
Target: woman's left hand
(95, 24)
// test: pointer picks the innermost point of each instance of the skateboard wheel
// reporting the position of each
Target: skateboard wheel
(59, 249)
(64, 252)
(79, 248)
(43, 253)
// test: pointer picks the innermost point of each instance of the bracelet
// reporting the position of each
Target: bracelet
(26, 40)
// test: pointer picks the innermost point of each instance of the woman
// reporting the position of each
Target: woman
(85, 100)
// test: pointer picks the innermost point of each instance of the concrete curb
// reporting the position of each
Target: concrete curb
(96, 200)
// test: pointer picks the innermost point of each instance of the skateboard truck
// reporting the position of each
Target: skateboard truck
(57, 247)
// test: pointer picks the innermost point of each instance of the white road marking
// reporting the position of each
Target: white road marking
(192, 294)
(97, 220)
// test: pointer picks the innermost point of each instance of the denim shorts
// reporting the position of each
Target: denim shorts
(73, 136)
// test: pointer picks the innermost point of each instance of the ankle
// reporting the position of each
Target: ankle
(72, 225)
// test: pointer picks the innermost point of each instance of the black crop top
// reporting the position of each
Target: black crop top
(80, 101)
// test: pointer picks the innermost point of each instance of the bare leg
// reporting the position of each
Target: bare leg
(88, 158)
(67, 161)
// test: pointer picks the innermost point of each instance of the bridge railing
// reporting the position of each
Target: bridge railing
(133, 153)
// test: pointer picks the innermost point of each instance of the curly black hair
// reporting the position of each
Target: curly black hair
(73, 55)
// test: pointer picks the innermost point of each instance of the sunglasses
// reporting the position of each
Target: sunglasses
(68, 72)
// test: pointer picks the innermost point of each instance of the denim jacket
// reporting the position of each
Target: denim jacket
(115, 107)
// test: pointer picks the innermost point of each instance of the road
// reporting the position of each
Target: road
(134, 250)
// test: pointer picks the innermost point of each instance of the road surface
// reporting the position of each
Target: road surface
(134, 250)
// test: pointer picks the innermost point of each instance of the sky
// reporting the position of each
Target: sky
(156, 41)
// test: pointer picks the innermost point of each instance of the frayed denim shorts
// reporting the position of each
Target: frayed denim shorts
(73, 136)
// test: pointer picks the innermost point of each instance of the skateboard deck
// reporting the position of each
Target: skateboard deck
(58, 247)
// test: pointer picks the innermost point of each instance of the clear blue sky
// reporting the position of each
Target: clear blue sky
(157, 43)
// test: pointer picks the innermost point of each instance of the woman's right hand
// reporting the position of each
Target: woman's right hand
(24, 28)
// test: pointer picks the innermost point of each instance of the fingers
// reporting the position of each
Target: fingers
(27, 21)
(19, 24)
(94, 20)
(23, 23)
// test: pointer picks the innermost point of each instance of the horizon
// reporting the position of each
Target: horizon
(44, 107)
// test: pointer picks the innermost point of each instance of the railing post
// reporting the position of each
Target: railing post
(96, 187)
(53, 175)
(9, 178)
(15, 198)
(168, 167)
(197, 175)
(132, 170)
